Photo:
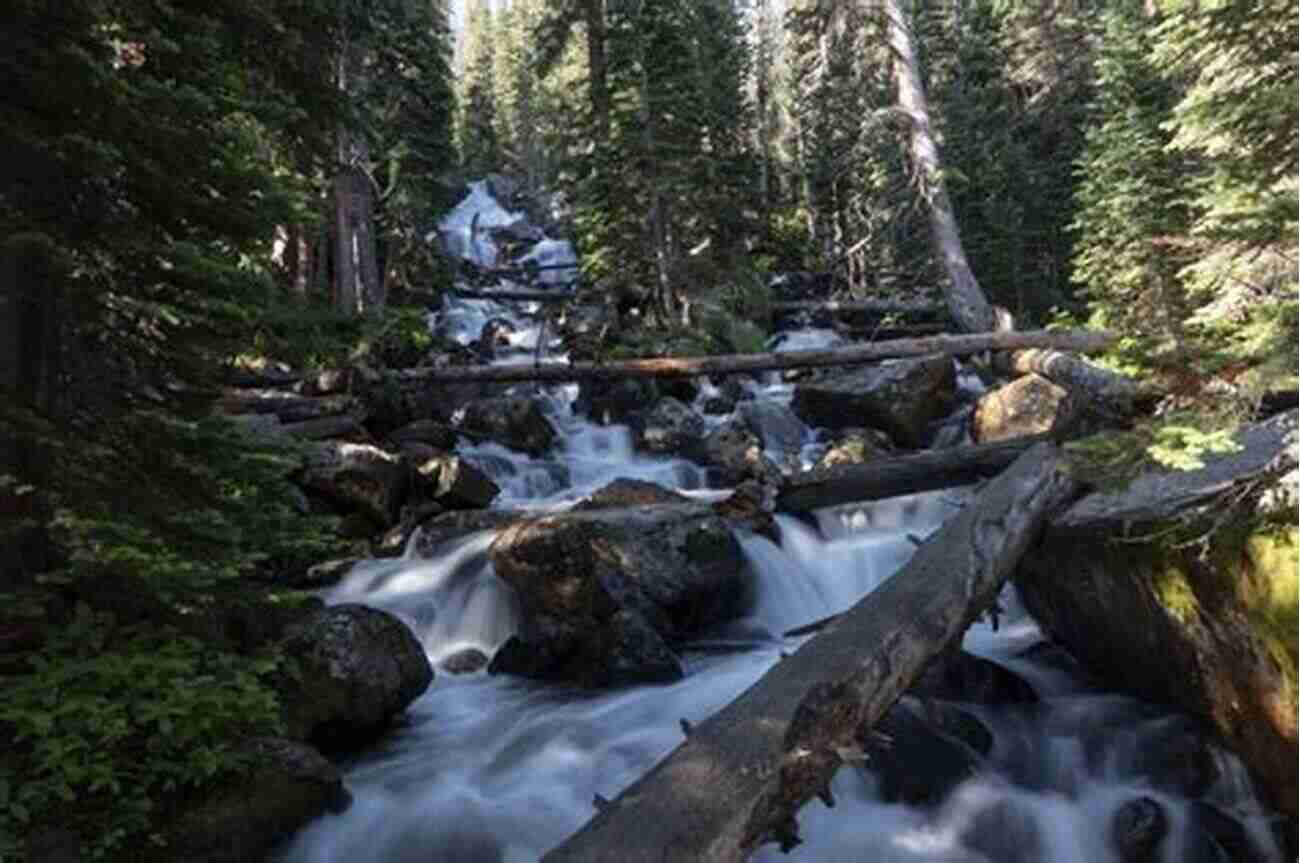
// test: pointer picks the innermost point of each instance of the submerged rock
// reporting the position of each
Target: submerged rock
(465, 661)
(733, 454)
(357, 668)
(606, 402)
(624, 492)
(605, 593)
(918, 763)
(899, 396)
(1137, 829)
(1005, 832)
(961, 676)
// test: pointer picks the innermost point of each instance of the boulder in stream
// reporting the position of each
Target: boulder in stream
(356, 668)
(447, 479)
(669, 428)
(513, 421)
(734, 453)
(1029, 405)
(919, 762)
(901, 397)
(1137, 828)
(1182, 590)
(360, 477)
(855, 446)
(606, 593)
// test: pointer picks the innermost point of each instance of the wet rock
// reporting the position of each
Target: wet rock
(448, 479)
(1178, 757)
(776, 425)
(733, 453)
(605, 593)
(431, 432)
(669, 428)
(961, 676)
(1227, 833)
(324, 574)
(394, 542)
(286, 406)
(326, 382)
(1137, 829)
(614, 402)
(899, 396)
(357, 668)
(1029, 405)
(855, 446)
(450, 526)
(625, 492)
(1004, 832)
(516, 422)
(356, 476)
(290, 784)
(751, 507)
(718, 405)
(465, 661)
(913, 762)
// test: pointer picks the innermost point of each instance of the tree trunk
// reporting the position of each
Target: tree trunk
(923, 471)
(968, 306)
(742, 775)
(597, 65)
(689, 367)
(1109, 393)
(355, 268)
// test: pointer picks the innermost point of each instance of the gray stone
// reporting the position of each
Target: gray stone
(515, 421)
(669, 428)
(360, 477)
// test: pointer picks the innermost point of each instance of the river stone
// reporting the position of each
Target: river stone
(1137, 829)
(436, 532)
(734, 453)
(357, 668)
(626, 492)
(960, 676)
(605, 593)
(778, 427)
(1212, 634)
(914, 762)
(466, 661)
(290, 784)
(1029, 405)
(606, 402)
(855, 446)
(899, 396)
(360, 477)
(515, 421)
(448, 479)
(670, 428)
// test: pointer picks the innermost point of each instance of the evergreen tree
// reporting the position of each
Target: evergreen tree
(479, 126)
(1132, 217)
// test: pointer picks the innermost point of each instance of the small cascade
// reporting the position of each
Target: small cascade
(495, 769)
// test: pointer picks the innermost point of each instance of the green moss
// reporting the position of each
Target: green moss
(1273, 597)
(1175, 594)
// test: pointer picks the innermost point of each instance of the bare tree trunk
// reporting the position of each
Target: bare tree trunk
(598, 88)
(742, 775)
(355, 268)
(969, 307)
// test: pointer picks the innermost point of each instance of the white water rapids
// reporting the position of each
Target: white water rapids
(488, 768)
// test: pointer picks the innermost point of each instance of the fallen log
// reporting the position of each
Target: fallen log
(689, 367)
(1114, 395)
(878, 308)
(923, 471)
(740, 777)
(514, 296)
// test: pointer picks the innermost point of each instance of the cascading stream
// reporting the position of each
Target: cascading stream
(492, 768)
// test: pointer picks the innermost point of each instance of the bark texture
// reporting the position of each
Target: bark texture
(740, 777)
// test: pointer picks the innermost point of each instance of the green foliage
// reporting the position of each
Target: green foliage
(114, 725)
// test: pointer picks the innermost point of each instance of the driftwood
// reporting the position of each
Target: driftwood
(689, 367)
(1102, 390)
(514, 296)
(880, 308)
(923, 471)
(742, 775)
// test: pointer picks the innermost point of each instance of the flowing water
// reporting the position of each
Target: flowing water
(489, 768)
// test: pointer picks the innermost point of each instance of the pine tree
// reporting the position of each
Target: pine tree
(479, 126)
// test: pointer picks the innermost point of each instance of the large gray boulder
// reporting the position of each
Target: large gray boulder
(606, 593)
(358, 477)
(670, 428)
(447, 479)
(513, 421)
(734, 453)
(356, 668)
(901, 397)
